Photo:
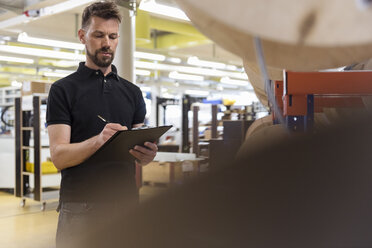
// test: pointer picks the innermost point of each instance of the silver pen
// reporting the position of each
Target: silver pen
(103, 119)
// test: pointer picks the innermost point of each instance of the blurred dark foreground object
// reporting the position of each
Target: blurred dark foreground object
(307, 191)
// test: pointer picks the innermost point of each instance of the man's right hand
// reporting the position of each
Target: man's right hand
(109, 130)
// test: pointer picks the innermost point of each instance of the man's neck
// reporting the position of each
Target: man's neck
(104, 70)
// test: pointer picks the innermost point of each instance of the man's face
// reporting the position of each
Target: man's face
(101, 39)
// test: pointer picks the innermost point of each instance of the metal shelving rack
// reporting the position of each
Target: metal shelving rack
(8, 94)
(22, 145)
(302, 94)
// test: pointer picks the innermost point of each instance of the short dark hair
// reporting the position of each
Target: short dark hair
(106, 10)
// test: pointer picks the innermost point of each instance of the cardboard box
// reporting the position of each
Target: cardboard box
(29, 88)
(156, 172)
(169, 172)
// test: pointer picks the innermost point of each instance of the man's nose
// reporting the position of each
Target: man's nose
(106, 41)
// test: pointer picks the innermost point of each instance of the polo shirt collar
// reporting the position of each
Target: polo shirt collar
(85, 72)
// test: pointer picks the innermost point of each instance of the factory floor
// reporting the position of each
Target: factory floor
(29, 227)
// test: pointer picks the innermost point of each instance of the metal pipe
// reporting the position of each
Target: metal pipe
(195, 131)
(124, 59)
(214, 122)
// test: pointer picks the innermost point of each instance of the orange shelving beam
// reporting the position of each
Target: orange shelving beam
(305, 93)
(324, 83)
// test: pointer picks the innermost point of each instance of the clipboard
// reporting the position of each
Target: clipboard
(116, 149)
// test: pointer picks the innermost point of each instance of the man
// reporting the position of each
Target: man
(92, 193)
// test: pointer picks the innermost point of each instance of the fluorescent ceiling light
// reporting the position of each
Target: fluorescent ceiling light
(185, 69)
(142, 72)
(63, 6)
(61, 63)
(174, 60)
(227, 80)
(180, 76)
(23, 37)
(17, 60)
(237, 75)
(197, 92)
(212, 72)
(55, 74)
(161, 9)
(153, 66)
(196, 61)
(200, 71)
(190, 70)
(42, 53)
(150, 56)
(231, 67)
(219, 87)
(37, 13)
(64, 71)
(230, 86)
(192, 43)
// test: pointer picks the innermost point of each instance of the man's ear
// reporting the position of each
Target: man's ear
(81, 34)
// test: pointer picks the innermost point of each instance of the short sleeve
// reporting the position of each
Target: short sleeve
(58, 107)
(140, 113)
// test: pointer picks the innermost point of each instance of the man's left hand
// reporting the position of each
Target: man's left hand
(144, 155)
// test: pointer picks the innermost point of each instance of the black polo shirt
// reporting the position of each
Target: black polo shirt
(76, 100)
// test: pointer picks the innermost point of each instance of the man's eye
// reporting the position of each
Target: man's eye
(113, 37)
